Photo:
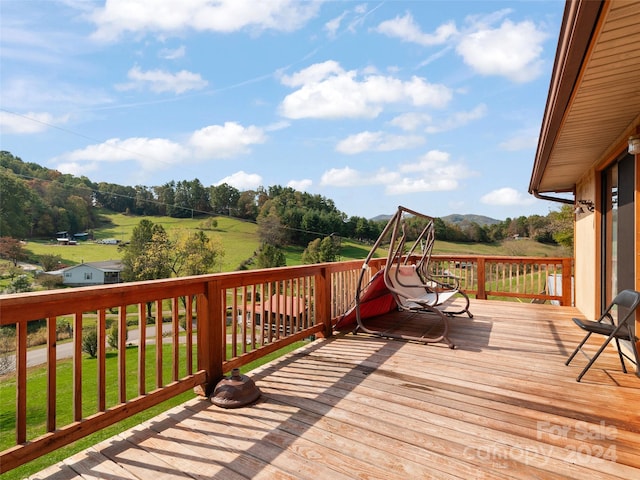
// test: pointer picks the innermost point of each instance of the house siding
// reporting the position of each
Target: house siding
(589, 242)
(83, 275)
(586, 249)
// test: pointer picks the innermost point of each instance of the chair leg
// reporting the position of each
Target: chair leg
(584, 340)
(624, 368)
(636, 355)
(593, 359)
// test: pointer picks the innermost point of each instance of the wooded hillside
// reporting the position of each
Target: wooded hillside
(37, 202)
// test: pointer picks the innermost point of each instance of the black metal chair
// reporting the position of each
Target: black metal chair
(624, 329)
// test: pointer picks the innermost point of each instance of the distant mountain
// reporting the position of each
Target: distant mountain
(381, 218)
(454, 219)
(481, 220)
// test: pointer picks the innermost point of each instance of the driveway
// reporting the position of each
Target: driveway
(38, 356)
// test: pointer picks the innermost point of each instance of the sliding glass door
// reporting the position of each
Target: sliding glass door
(618, 228)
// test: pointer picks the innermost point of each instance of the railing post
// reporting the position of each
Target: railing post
(323, 300)
(567, 288)
(209, 338)
(21, 382)
(51, 374)
(482, 294)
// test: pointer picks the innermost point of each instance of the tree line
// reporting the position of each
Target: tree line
(37, 202)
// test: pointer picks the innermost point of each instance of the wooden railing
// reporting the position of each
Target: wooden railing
(199, 329)
(532, 278)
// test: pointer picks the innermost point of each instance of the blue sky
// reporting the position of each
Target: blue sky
(434, 105)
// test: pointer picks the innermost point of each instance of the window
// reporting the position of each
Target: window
(88, 275)
(618, 227)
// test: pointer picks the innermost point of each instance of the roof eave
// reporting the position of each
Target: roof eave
(576, 34)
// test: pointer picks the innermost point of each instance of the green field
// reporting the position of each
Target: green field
(37, 388)
(239, 238)
(240, 241)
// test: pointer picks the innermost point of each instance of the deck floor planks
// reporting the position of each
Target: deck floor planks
(59, 471)
(554, 396)
(178, 451)
(319, 445)
(446, 430)
(91, 464)
(355, 441)
(410, 391)
(365, 407)
(140, 463)
(434, 441)
(271, 446)
(223, 459)
(461, 404)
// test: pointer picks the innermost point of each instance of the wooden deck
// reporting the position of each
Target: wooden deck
(501, 405)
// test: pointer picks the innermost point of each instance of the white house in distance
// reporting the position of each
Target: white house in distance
(92, 273)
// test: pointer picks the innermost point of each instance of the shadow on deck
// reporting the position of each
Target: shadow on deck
(501, 405)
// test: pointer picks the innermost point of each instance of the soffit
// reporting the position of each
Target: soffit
(605, 102)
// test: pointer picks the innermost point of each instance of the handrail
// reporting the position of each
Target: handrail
(510, 276)
(239, 317)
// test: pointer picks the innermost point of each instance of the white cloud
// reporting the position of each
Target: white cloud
(427, 162)
(78, 169)
(300, 185)
(521, 141)
(45, 45)
(458, 119)
(434, 56)
(406, 29)
(353, 18)
(274, 127)
(378, 142)
(328, 91)
(212, 142)
(507, 196)
(411, 121)
(333, 25)
(30, 92)
(431, 172)
(242, 180)
(168, 17)
(225, 141)
(348, 177)
(30, 122)
(313, 74)
(340, 177)
(512, 50)
(150, 153)
(159, 81)
(424, 184)
(173, 54)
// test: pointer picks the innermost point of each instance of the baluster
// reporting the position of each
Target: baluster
(122, 353)
(142, 349)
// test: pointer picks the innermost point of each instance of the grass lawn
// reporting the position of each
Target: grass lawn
(524, 247)
(240, 241)
(36, 398)
(238, 238)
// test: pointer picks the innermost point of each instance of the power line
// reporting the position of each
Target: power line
(82, 135)
(92, 191)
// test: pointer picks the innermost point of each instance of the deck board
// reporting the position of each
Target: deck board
(501, 405)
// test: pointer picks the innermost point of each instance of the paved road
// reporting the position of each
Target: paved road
(38, 356)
